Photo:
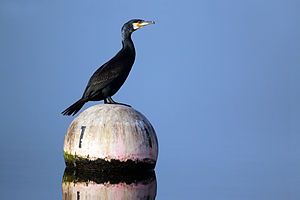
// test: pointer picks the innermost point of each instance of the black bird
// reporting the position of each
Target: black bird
(108, 79)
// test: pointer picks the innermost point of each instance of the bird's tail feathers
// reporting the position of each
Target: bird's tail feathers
(73, 109)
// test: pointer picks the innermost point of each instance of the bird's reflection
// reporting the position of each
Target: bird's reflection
(79, 185)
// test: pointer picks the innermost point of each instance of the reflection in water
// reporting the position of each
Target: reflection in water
(78, 185)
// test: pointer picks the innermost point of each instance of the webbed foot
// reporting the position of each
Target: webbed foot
(111, 101)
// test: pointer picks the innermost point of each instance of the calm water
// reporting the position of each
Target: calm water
(229, 174)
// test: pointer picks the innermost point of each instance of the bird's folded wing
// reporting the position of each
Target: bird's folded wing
(100, 80)
(105, 79)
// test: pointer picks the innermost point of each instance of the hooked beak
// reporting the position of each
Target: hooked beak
(144, 23)
(141, 24)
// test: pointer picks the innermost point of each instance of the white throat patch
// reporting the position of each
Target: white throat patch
(135, 26)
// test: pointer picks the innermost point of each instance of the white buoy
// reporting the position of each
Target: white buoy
(110, 137)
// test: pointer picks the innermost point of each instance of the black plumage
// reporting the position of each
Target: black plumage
(108, 79)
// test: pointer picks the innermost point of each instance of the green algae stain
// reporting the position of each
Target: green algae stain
(75, 161)
(69, 157)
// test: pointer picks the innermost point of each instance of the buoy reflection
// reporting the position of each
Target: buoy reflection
(78, 185)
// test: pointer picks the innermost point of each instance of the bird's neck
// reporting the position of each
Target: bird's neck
(127, 42)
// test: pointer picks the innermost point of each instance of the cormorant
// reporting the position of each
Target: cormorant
(108, 79)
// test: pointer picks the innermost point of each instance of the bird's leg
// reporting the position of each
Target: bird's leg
(111, 101)
(105, 100)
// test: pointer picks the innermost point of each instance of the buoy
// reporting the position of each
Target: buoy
(90, 186)
(110, 137)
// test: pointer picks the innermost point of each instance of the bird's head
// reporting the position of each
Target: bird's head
(135, 24)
